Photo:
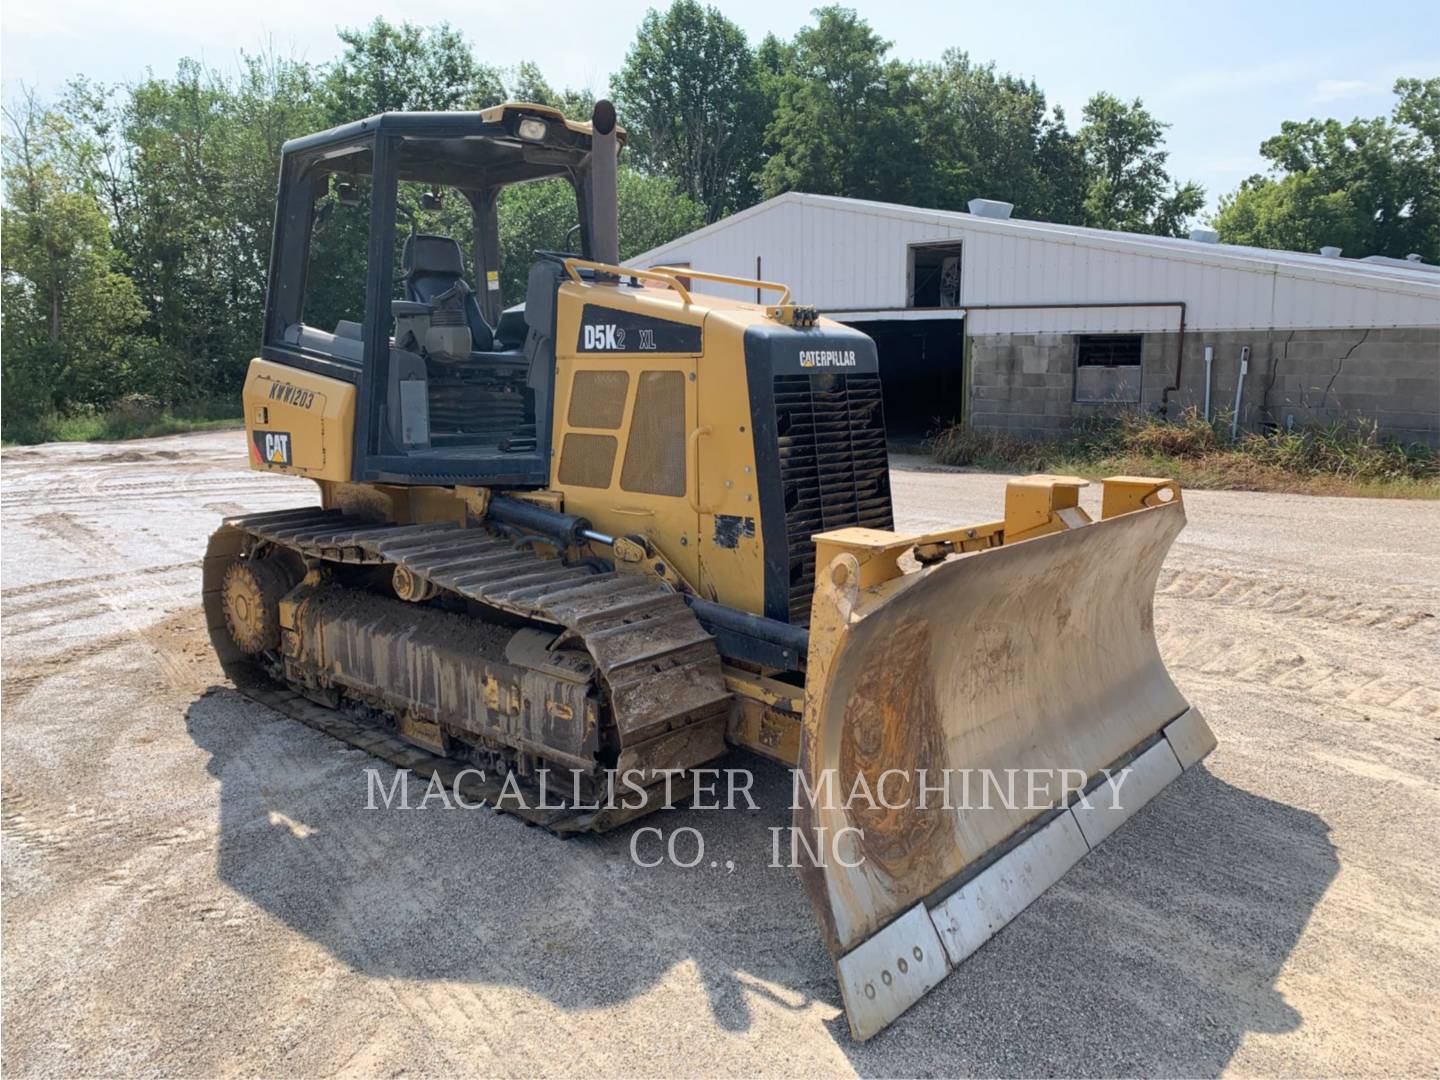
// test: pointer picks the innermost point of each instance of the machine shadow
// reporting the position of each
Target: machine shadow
(1156, 955)
(482, 897)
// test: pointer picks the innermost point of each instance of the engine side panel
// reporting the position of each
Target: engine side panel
(626, 407)
(723, 436)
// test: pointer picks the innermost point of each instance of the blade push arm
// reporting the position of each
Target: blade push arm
(1034, 506)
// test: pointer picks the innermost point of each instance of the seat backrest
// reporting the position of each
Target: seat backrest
(540, 293)
(433, 264)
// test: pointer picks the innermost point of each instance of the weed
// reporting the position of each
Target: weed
(131, 418)
(1343, 457)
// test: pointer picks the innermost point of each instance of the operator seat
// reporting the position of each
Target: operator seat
(433, 266)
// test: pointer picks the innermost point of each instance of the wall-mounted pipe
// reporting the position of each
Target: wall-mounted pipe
(1209, 362)
(1239, 391)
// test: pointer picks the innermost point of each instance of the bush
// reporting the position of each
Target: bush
(1192, 436)
(1347, 450)
(135, 417)
(963, 445)
(1341, 457)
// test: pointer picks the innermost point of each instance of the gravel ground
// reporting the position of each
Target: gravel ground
(192, 886)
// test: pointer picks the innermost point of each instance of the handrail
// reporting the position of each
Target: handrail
(671, 276)
(574, 266)
(693, 447)
(726, 279)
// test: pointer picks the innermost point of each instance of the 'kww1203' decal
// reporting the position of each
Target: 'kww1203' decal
(273, 447)
(606, 330)
(290, 394)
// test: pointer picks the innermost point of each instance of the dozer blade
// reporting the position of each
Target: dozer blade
(935, 700)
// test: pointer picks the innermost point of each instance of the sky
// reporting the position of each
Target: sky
(1223, 74)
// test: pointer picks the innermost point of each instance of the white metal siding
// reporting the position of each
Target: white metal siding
(848, 255)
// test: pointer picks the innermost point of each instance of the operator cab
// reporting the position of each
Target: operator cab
(387, 273)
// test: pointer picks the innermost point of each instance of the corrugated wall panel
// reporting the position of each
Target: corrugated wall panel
(848, 257)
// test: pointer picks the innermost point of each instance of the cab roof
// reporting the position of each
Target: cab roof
(457, 148)
(496, 122)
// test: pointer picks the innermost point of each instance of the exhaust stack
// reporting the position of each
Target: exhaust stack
(604, 197)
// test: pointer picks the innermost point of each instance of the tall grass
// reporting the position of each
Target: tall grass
(1346, 457)
(132, 419)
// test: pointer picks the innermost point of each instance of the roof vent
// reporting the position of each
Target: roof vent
(991, 208)
(1330, 252)
(1205, 236)
(1414, 256)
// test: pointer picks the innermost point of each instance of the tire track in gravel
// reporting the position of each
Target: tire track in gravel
(1259, 594)
(21, 679)
(37, 611)
(85, 541)
(75, 833)
(1284, 667)
(144, 491)
(45, 591)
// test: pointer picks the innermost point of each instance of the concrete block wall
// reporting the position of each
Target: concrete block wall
(1024, 383)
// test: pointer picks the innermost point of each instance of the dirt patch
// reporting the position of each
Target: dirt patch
(181, 655)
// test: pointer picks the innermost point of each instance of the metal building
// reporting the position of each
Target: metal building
(1027, 327)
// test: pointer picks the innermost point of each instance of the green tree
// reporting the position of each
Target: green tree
(533, 217)
(774, 59)
(195, 201)
(389, 68)
(689, 96)
(540, 216)
(1060, 162)
(1370, 187)
(991, 135)
(847, 120)
(653, 211)
(527, 83)
(1128, 187)
(69, 314)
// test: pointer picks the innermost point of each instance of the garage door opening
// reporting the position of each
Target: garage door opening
(922, 372)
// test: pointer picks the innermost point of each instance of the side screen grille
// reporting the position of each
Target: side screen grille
(655, 454)
(834, 471)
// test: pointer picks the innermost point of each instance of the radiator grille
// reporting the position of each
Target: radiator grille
(833, 467)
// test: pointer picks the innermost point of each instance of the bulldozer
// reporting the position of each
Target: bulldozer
(624, 525)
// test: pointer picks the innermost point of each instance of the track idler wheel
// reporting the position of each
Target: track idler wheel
(409, 587)
(250, 599)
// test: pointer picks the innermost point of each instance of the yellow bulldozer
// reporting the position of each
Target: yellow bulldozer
(621, 527)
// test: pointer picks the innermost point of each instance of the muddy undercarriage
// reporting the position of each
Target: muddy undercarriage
(504, 668)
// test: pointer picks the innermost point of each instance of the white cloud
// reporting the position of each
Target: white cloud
(1238, 163)
(1378, 85)
(1340, 89)
(1219, 80)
